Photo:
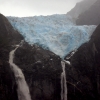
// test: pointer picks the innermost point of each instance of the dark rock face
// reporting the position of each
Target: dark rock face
(90, 16)
(41, 67)
(7, 81)
(42, 70)
(83, 76)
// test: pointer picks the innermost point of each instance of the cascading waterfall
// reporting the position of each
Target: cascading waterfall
(22, 87)
(63, 83)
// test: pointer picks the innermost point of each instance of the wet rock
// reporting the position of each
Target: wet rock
(83, 75)
(42, 73)
(7, 81)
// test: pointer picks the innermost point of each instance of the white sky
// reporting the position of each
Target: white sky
(24, 8)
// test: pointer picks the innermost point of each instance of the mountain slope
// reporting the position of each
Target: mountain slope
(83, 75)
(91, 16)
(41, 67)
(80, 8)
(7, 39)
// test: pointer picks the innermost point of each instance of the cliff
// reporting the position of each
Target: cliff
(41, 67)
(83, 74)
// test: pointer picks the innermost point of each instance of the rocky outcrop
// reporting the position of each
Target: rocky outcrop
(90, 16)
(83, 75)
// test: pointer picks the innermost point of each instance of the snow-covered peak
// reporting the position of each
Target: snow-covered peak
(56, 32)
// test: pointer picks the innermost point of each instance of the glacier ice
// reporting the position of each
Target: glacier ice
(56, 33)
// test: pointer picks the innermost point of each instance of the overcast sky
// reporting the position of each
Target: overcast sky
(35, 7)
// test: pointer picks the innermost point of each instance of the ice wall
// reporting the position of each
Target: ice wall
(56, 33)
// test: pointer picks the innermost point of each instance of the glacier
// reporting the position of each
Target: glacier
(57, 33)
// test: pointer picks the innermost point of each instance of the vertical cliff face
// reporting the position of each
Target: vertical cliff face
(91, 16)
(83, 75)
(42, 70)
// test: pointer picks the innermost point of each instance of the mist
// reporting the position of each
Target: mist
(35, 7)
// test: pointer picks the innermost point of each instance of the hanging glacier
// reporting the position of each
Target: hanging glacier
(57, 33)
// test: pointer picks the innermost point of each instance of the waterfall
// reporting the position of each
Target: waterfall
(63, 83)
(22, 87)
